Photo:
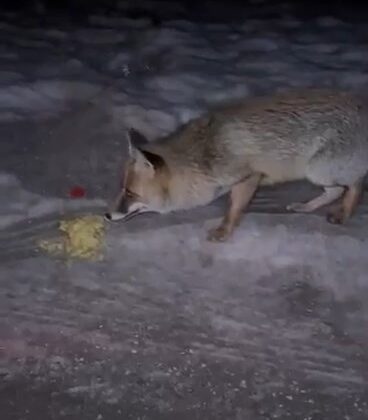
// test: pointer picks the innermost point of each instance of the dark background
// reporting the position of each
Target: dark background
(218, 10)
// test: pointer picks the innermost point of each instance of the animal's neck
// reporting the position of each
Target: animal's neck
(188, 183)
(189, 188)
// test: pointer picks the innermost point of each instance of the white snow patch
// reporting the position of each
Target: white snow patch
(165, 74)
(42, 97)
(150, 122)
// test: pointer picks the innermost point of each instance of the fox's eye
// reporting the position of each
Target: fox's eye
(130, 194)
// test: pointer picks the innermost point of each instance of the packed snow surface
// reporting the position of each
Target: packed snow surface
(271, 324)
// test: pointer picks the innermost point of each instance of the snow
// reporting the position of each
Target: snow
(179, 63)
(67, 93)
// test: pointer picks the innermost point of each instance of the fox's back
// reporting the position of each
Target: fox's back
(283, 130)
(280, 134)
(295, 124)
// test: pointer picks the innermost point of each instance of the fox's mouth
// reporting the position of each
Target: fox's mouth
(117, 216)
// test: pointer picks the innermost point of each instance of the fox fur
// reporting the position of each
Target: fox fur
(318, 135)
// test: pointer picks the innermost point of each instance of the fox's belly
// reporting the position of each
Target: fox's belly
(278, 171)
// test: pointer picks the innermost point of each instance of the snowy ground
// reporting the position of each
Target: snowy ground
(269, 325)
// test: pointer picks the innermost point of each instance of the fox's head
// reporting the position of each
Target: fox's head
(143, 185)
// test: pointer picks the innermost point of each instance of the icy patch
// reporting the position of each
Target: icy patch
(18, 204)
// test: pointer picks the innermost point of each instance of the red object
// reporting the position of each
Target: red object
(77, 192)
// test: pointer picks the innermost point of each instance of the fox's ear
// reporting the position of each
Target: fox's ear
(136, 139)
(142, 158)
(135, 142)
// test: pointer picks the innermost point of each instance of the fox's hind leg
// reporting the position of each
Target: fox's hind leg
(341, 167)
(349, 203)
(240, 196)
(329, 195)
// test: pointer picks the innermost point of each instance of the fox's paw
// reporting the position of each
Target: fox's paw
(219, 234)
(336, 217)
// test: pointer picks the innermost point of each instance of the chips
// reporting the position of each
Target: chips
(82, 239)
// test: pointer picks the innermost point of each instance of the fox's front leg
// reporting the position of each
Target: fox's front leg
(240, 196)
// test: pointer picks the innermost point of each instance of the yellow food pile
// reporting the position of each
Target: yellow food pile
(82, 239)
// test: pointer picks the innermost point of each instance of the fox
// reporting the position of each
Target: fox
(317, 135)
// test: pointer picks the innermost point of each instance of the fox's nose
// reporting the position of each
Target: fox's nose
(107, 216)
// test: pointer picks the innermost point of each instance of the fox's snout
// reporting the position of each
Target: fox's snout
(120, 210)
(114, 216)
(124, 209)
